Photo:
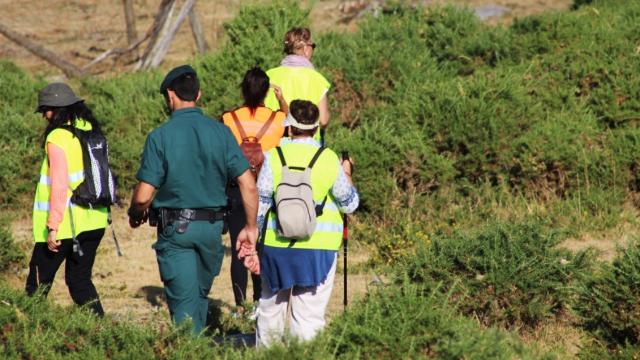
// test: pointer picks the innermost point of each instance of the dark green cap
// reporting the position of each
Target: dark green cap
(174, 74)
(56, 95)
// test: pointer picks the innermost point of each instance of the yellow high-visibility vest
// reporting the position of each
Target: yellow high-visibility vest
(328, 232)
(297, 83)
(301, 83)
(84, 219)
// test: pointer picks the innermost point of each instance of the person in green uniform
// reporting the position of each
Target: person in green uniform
(185, 166)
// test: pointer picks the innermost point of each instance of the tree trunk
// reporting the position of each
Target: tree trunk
(160, 25)
(130, 19)
(162, 46)
(196, 29)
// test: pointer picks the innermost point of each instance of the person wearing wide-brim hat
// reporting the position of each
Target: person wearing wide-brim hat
(186, 164)
(299, 274)
(55, 218)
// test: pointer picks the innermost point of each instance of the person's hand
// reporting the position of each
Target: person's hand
(52, 243)
(246, 246)
(347, 165)
(246, 243)
(136, 221)
(252, 263)
(277, 90)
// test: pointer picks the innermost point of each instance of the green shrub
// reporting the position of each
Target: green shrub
(408, 322)
(392, 323)
(596, 352)
(10, 254)
(607, 302)
(503, 274)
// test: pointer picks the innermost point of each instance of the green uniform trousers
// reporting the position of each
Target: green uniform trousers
(188, 263)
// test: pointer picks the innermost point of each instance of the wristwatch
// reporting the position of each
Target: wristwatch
(50, 229)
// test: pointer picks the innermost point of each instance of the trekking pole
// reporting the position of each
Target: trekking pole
(113, 234)
(345, 237)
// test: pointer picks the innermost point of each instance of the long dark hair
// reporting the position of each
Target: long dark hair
(254, 88)
(67, 115)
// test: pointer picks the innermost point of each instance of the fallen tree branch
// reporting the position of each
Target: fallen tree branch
(115, 51)
(49, 56)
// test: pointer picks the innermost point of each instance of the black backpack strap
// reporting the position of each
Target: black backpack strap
(263, 233)
(320, 207)
(316, 156)
(281, 155)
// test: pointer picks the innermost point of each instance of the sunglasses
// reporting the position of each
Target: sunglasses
(313, 45)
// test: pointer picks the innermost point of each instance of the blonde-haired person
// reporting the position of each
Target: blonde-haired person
(297, 78)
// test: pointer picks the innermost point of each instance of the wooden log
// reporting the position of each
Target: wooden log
(49, 56)
(163, 43)
(130, 19)
(160, 25)
(196, 29)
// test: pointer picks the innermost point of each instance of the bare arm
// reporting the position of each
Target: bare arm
(248, 237)
(323, 107)
(140, 203)
(284, 107)
(247, 185)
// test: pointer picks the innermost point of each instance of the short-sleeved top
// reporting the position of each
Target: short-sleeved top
(252, 123)
(189, 160)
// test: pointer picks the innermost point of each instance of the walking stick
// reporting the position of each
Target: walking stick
(345, 238)
(113, 234)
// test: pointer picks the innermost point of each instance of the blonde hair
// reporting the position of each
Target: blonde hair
(295, 39)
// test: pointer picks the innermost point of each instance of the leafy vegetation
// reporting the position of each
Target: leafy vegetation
(10, 254)
(503, 274)
(607, 302)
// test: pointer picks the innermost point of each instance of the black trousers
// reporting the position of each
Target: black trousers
(239, 277)
(45, 263)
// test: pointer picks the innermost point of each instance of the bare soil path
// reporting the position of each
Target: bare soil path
(79, 30)
(130, 286)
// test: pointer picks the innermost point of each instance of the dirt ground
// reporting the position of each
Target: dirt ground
(130, 286)
(80, 30)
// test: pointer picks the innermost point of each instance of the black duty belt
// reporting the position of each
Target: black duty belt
(179, 219)
(193, 214)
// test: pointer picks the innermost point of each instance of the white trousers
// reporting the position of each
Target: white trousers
(308, 306)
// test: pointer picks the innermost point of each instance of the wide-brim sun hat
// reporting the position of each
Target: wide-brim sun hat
(56, 95)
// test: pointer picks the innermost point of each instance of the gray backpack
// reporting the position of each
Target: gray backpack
(294, 203)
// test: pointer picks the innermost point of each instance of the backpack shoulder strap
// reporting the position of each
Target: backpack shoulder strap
(281, 155)
(266, 125)
(316, 156)
(243, 134)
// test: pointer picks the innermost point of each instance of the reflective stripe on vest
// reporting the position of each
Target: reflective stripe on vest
(328, 233)
(84, 219)
(75, 177)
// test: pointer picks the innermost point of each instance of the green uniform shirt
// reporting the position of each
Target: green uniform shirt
(189, 160)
